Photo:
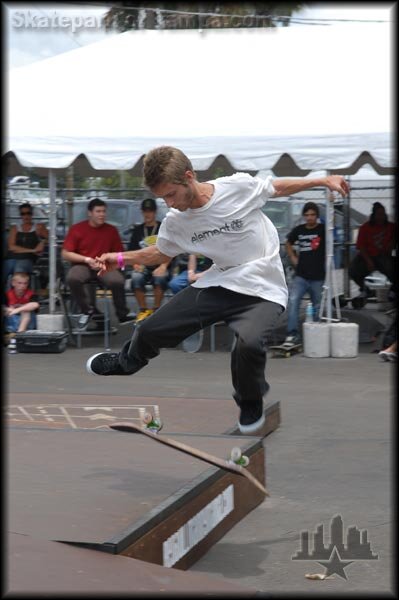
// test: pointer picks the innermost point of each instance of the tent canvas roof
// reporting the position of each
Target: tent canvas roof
(253, 96)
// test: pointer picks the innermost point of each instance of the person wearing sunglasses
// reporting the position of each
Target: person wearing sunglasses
(26, 241)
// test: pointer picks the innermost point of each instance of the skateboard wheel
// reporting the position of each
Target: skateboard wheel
(244, 461)
(158, 423)
(147, 418)
(154, 425)
(235, 454)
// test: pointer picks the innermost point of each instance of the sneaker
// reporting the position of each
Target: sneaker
(252, 418)
(12, 342)
(83, 320)
(105, 363)
(97, 315)
(130, 318)
(144, 314)
(12, 346)
(388, 356)
(291, 340)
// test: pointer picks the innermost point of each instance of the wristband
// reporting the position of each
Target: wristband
(120, 261)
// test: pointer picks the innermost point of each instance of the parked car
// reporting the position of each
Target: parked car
(286, 213)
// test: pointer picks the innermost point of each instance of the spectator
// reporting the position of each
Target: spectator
(144, 235)
(375, 242)
(309, 265)
(26, 242)
(197, 264)
(20, 308)
(84, 241)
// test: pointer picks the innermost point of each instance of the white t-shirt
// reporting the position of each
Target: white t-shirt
(232, 230)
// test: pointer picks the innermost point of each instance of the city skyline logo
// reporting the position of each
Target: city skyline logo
(340, 552)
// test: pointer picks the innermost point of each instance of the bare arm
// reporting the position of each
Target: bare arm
(291, 253)
(287, 187)
(146, 256)
(42, 231)
(191, 268)
(28, 307)
(13, 246)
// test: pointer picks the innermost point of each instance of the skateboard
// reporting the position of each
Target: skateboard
(151, 428)
(194, 342)
(286, 350)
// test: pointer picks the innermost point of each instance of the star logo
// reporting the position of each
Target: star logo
(335, 564)
(342, 550)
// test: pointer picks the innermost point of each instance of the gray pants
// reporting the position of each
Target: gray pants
(79, 276)
(252, 319)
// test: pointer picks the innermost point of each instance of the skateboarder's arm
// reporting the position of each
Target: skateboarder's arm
(286, 187)
(146, 256)
(291, 253)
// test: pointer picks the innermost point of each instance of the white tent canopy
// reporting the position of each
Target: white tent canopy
(339, 152)
(259, 98)
(253, 96)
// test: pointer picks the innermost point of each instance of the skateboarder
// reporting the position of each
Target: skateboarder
(245, 287)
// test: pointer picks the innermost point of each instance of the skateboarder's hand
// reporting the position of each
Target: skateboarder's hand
(337, 183)
(107, 262)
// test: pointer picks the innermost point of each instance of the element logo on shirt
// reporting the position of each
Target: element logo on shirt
(235, 225)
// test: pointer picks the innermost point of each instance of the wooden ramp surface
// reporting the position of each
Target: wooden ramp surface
(37, 566)
(121, 492)
(72, 479)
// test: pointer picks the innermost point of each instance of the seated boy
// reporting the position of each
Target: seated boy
(21, 307)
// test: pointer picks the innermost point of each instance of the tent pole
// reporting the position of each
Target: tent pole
(347, 240)
(329, 251)
(52, 239)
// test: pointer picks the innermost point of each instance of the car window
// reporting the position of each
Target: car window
(277, 213)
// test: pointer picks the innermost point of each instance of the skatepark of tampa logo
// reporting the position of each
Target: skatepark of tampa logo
(339, 553)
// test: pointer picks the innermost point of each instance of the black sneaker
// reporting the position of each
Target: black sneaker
(105, 363)
(291, 340)
(97, 315)
(252, 418)
(130, 318)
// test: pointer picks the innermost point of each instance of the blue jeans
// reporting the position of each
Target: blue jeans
(13, 321)
(16, 265)
(298, 289)
(140, 280)
(179, 282)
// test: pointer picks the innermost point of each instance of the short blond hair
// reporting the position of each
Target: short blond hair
(21, 275)
(166, 164)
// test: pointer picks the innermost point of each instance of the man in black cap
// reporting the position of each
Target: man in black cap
(144, 235)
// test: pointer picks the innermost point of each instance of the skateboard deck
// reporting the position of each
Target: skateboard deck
(200, 454)
(286, 350)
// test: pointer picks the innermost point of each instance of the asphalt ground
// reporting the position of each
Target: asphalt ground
(332, 455)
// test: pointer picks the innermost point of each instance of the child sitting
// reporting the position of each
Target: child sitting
(21, 307)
